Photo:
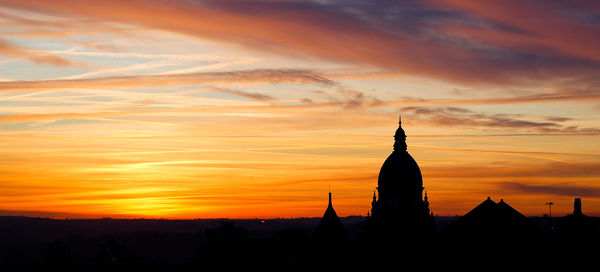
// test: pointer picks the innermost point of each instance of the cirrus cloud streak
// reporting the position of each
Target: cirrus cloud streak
(406, 38)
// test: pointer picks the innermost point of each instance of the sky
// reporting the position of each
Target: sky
(254, 109)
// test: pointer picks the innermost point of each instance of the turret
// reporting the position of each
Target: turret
(374, 202)
(374, 199)
(400, 137)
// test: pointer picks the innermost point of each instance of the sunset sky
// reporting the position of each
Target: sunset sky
(252, 109)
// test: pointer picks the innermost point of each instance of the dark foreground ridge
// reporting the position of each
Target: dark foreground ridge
(31, 244)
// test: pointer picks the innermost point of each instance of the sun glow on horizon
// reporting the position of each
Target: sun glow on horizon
(140, 109)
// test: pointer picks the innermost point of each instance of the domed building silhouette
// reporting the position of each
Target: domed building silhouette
(400, 211)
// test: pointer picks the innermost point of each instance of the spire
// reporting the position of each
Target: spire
(374, 202)
(374, 199)
(400, 137)
(426, 199)
(330, 211)
(330, 227)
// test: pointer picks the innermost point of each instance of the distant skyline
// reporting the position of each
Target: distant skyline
(252, 109)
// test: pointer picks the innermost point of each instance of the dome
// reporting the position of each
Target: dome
(400, 175)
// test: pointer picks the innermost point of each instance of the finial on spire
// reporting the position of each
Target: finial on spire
(399, 118)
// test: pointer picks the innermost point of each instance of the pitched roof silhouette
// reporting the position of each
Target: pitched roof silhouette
(490, 217)
(506, 210)
(486, 208)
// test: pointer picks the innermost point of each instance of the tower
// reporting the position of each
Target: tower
(577, 207)
(400, 211)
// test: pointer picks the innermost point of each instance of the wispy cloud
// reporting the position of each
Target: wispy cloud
(255, 96)
(462, 117)
(566, 189)
(554, 169)
(243, 77)
(11, 50)
(588, 94)
(415, 38)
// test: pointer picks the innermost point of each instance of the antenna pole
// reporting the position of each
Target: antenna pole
(550, 208)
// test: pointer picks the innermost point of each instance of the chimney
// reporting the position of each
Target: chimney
(577, 207)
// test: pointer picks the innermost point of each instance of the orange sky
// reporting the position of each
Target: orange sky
(183, 109)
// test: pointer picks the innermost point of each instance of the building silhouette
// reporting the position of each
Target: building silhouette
(330, 228)
(400, 207)
(492, 223)
(331, 240)
(400, 224)
(579, 235)
(493, 232)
